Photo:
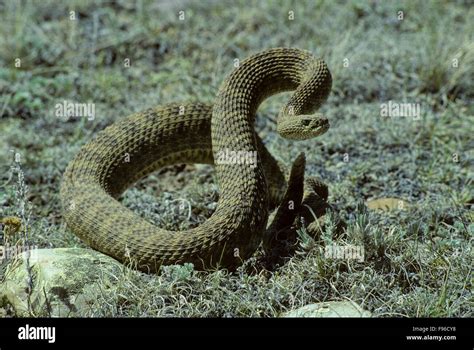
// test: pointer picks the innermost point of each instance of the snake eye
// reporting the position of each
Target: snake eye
(305, 122)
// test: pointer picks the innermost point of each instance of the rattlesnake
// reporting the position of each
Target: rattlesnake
(196, 133)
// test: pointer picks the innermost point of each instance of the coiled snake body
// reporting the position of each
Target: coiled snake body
(196, 133)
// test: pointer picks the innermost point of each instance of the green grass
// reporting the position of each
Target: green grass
(418, 261)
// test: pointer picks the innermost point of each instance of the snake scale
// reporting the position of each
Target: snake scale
(197, 133)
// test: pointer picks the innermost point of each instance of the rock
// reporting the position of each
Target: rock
(329, 309)
(63, 281)
(387, 204)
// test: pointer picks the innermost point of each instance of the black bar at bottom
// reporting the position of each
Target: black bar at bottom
(17, 333)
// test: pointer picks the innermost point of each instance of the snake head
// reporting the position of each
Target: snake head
(302, 127)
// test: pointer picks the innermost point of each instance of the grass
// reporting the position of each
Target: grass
(418, 262)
